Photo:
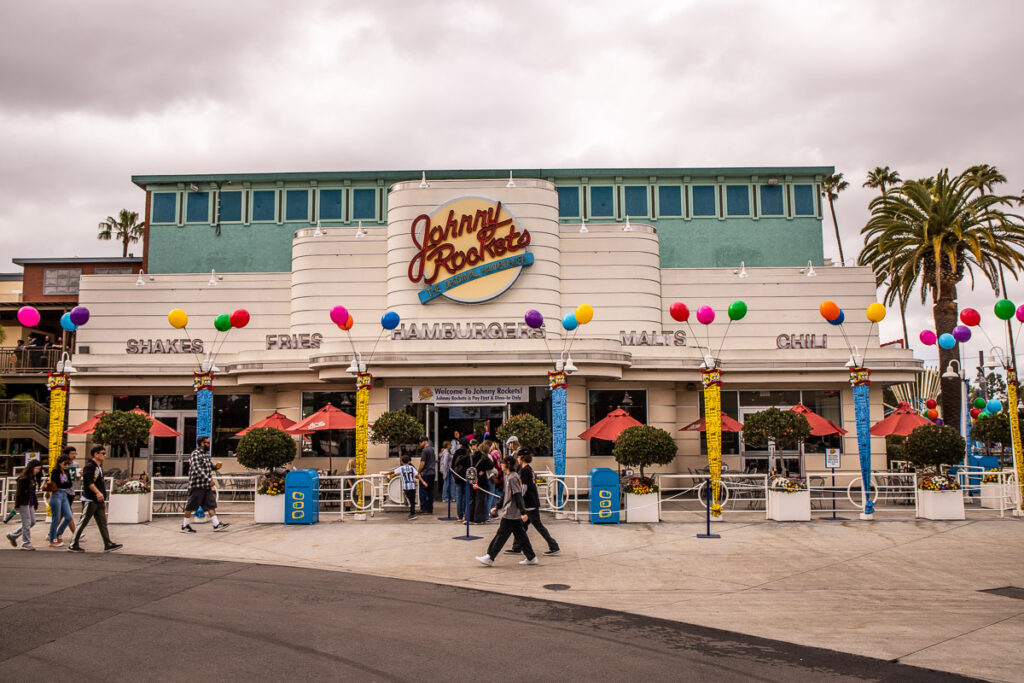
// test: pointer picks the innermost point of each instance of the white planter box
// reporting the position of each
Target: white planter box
(643, 508)
(995, 496)
(269, 509)
(940, 504)
(789, 507)
(130, 508)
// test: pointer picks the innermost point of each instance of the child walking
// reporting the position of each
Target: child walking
(26, 502)
(409, 476)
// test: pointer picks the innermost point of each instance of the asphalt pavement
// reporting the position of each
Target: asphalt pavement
(110, 617)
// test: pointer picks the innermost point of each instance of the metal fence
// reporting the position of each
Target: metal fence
(28, 361)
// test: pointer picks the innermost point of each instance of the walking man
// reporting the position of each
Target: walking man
(531, 496)
(201, 487)
(428, 474)
(513, 514)
(94, 493)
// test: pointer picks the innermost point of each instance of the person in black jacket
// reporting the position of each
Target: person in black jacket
(482, 500)
(26, 502)
(513, 514)
(94, 493)
(460, 463)
(531, 495)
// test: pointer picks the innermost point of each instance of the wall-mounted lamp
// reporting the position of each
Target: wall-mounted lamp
(510, 183)
(741, 271)
(627, 227)
(319, 232)
(214, 277)
(360, 232)
(423, 181)
(140, 282)
(583, 226)
(809, 270)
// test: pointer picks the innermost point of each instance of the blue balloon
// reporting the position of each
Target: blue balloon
(389, 320)
(839, 320)
(65, 322)
(947, 341)
(569, 321)
(993, 406)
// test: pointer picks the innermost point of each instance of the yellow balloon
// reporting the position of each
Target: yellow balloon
(584, 314)
(876, 313)
(177, 318)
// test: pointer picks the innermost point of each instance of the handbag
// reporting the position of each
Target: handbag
(50, 486)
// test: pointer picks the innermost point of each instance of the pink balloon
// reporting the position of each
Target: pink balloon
(928, 338)
(28, 316)
(339, 315)
(705, 315)
(1020, 313)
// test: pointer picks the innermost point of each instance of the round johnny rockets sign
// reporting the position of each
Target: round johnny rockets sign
(469, 250)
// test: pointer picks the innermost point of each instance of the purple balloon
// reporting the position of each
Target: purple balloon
(534, 319)
(79, 315)
(938, 421)
(1020, 313)
(961, 333)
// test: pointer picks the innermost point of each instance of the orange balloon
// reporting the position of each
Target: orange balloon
(348, 323)
(829, 310)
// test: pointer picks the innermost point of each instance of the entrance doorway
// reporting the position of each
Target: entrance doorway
(468, 420)
(756, 460)
(168, 453)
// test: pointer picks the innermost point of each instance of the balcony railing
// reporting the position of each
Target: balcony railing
(28, 361)
(24, 415)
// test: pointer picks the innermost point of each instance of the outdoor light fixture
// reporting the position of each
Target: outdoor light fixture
(64, 364)
(773, 181)
(855, 361)
(510, 183)
(627, 227)
(360, 232)
(423, 181)
(140, 282)
(569, 366)
(214, 277)
(583, 226)
(950, 373)
(742, 271)
(809, 270)
(208, 366)
(193, 187)
(627, 400)
(319, 231)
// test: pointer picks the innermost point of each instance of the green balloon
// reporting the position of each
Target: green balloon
(222, 322)
(737, 309)
(984, 413)
(1005, 309)
(980, 403)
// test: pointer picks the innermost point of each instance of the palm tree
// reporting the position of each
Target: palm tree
(126, 228)
(881, 178)
(831, 186)
(982, 178)
(933, 232)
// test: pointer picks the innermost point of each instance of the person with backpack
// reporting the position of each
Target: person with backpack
(513, 515)
(410, 475)
(26, 503)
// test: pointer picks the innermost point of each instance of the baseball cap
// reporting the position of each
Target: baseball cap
(511, 440)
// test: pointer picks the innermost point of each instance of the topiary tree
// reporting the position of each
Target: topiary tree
(396, 428)
(531, 432)
(123, 430)
(895, 448)
(784, 428)
(929, 446)
(265, 448)
(644, 446)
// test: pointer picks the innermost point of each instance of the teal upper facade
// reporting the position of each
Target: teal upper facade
(705, 217)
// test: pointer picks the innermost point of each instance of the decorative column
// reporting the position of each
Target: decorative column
(712, 380)
(58, 384)
(364, 382)
(860, 379)
(1018, 456)
(202, 382)
(557, 381)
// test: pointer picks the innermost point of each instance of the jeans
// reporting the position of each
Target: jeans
(60, 514)
(28, 519)
(448, 492)
(511, 527)
(99, 511)
(427, 493)
(460, 497)
(410, 497)
(534, 518)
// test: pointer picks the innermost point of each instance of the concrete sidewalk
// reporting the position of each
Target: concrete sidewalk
(899, 590)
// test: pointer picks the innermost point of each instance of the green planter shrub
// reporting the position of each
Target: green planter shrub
(396, 428)
(531, 432)
(265, 448)
(644, 446)
(929, 446)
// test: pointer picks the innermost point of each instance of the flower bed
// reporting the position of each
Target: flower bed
(643, 500)
(131, 502)
(271, 485)
(939, 497)
(269, 508)
(938, 482)
(789, 500)
(787, 484)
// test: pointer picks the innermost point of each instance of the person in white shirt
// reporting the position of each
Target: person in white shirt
(409, 476)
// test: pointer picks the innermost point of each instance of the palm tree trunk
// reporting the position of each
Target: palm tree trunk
(944, 312)
(124, 247)
(903, 317)
(835, 224)
(1009, 327)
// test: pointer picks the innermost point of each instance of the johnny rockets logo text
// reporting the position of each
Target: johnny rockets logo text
(470, 250)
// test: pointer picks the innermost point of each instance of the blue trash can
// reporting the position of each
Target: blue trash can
(302, 497)
(604, 496)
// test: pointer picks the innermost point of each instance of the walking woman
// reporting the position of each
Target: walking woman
(26, 502)
(513, 514)
(60, 502)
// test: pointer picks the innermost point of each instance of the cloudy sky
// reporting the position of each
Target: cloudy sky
(93, 92)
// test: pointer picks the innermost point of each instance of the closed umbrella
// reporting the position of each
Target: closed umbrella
(819, 425)
(728, 425)
(900, 422)
(327, 419)
(611, 426)
(276, 421)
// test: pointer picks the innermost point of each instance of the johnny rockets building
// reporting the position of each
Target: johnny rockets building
(461, 256)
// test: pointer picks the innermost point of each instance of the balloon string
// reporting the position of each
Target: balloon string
(191, 345)
(867, 340)
(352, 344)
(696, 338)
(374, 349)
(849, 346)
(990, 342)
(723, 338)
(544, 337)
(221, 347)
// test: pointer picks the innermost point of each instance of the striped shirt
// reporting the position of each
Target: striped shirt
(408, 473)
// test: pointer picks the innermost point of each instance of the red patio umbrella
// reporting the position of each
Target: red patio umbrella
(87, 426)
(158, 428)
(611, 426)
(900, 422)
(277, 421)
(327, 419)
(819, 425)
(728, 425)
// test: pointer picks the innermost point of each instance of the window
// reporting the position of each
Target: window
(602, 201)
(296, 206)
(771, 200)
(330, 205)
(263, 208)
(175, 401)
(568, 202)
(827, 404)
(703, 200)
(230, 207)
(58, 281)
(364, 204)
(636, 201)
(230, 416)
(131, 402)
(670, 200)
(400, 398)
(633, 401)
(737, 200)
(767, 399)
(803, 198)
(334, 444)
(164, 207)
(197, 207)
(117, 270)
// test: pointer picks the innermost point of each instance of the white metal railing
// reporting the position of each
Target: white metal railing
(563, 494)
(687, 494)
(842, 491)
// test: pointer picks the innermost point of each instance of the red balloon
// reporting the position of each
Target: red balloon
(931, 403)
(970, 317)
(679, 312)
(975, 412)
(239, 318)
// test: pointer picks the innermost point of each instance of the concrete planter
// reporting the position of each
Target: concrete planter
(995, 496)
(789, 506)
(130, 508)
(643, 508)
(940, 504)
(269, 509)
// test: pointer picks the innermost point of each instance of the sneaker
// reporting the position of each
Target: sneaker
(412, 517)
(12, 540)
(113, 546)
(56, 544)
(76, 548)
(187, 529)
(485, 560)
(553, 551)
(221, 527)
(28, 547)
(530, 562)
(513, 551)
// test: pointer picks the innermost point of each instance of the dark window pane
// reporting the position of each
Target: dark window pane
(803, 200)
(164, 207)
(568, 202)
(703, 200)
(336, 444)
(131, 402)
(602, 201)
(771, 200)
(633, 401)
(198, 210)
(174, 402)
(364, 204)
(230, 416)
(330, 205)
(296, 205)
(737, 200)
(263, 205)
(230, 207)
(636, 201)
(768, 399)
(826, 403)
(670, 201)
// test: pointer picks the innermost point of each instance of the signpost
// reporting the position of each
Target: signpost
(833, 461)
